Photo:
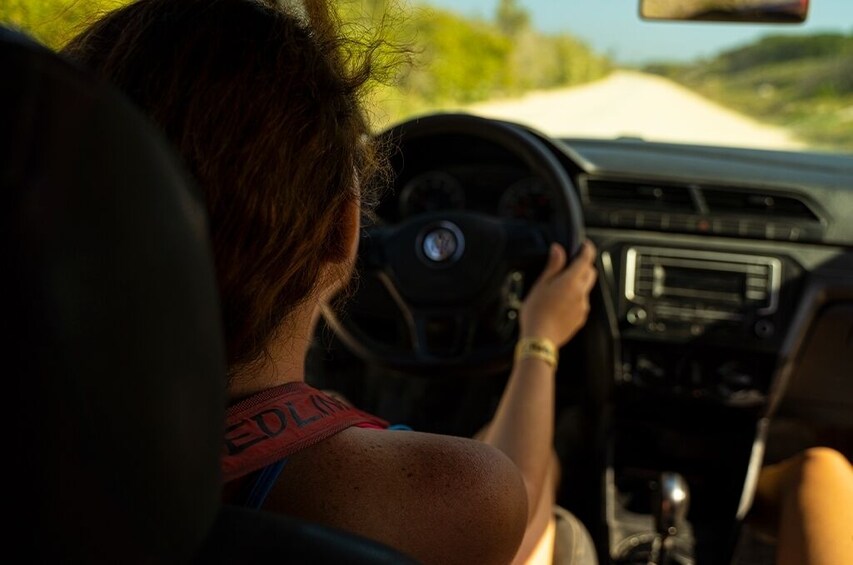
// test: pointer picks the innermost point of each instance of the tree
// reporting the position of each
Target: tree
(512, 18)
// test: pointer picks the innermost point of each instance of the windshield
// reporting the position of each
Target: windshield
(575, 68)
(596, 70)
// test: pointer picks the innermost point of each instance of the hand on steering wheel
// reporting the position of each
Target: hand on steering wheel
(558, 303)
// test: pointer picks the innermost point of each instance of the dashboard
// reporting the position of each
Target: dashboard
(693, 238)
(702, 248)
(726, 298)
(717, 192)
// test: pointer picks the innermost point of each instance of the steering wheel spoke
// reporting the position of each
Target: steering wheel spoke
(441, 335)
(434, 333)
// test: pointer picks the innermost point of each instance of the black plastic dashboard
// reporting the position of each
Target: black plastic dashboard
(704, 248)
(712, 192)
(718, 267)
(810, 189)
(702, 371)
(780, 213)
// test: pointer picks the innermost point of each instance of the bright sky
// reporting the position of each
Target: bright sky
(613, 26)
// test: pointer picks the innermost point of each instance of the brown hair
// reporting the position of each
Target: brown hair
(263, 105)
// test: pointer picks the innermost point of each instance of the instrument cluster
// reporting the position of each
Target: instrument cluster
(524, 198)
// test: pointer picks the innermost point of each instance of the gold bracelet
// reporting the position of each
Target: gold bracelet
(537, 348)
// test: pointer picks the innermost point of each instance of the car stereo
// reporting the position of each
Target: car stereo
(674, 291)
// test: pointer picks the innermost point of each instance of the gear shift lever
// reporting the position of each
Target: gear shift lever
(674, 500)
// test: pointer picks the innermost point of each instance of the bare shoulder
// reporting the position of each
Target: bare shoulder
(441, 499)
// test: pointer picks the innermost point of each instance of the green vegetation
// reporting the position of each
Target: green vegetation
(802, 82)
(456, 60)
(435, 58)
(53, 22)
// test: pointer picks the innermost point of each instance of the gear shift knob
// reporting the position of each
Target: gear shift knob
(674, 503)
(670, 512)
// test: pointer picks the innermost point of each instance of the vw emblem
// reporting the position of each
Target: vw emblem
(442, 243)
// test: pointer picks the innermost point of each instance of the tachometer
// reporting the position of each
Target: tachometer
(429, 192)
(526, 199)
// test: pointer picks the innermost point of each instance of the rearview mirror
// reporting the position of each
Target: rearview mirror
(752, 11)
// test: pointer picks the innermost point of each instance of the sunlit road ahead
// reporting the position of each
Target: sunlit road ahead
(635, 104)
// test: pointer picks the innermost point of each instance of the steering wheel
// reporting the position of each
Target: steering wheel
(456, 277)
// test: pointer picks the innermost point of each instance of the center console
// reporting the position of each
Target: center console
(701, 323)
(699, 333)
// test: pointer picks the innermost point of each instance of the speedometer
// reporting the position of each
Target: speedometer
(527, 199)
(430, 192)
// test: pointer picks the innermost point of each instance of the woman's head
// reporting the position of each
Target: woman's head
(262, 103)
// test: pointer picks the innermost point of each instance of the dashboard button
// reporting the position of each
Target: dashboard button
(636, 316)
(764, 329)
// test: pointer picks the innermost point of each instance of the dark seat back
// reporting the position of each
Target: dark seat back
(113, 348)
(116, 352)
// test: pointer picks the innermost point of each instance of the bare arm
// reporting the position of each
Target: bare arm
(523, 426)
(445, 499)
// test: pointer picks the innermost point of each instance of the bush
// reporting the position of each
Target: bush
(457, 60)
(54, 22)
(801, 82)
(452, 60)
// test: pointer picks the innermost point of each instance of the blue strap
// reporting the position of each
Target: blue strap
(263, 484)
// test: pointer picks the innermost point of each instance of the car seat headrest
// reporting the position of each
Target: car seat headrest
(113, 350)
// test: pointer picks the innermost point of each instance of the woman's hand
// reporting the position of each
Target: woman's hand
(558, 303)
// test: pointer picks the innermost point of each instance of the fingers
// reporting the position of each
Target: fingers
(588, 279)
(591, 274)
(556, 261)
(558, 303)
(586, 255)
(582, 270)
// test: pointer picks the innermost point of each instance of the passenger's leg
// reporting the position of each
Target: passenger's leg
(809, 498)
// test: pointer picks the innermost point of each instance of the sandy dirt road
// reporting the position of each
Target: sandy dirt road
(634, 104)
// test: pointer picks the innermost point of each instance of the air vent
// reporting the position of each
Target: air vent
(692, 208)
(638, 196)
(726, 201)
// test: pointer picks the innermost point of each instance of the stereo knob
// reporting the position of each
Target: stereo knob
(636, 316)
(764, 329)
